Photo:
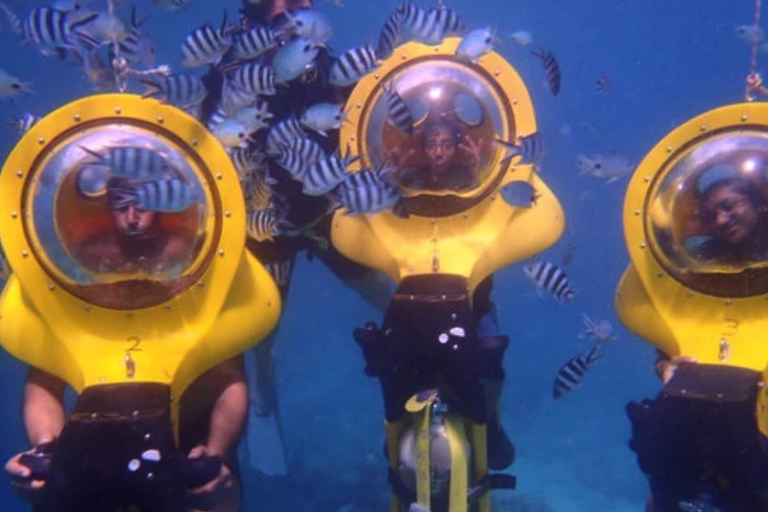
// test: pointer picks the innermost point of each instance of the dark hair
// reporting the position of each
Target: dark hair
(443, 122)
(258, 14)
(739, 184)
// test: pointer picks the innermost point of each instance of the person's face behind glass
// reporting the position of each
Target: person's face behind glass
(440, 147)
(281, 6)
(730, 215)
(131, 220)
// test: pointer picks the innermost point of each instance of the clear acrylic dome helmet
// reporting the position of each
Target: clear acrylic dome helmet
(119, 215)
(707, 215)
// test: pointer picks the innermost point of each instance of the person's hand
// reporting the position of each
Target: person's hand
(221, 488)
(397, 156)
(472, 148)
(666, 368)
(22, 472)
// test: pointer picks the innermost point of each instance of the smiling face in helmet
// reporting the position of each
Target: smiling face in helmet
(732, 212)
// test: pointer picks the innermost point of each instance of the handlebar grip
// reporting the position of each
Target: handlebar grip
(198, 472)
(38, 464)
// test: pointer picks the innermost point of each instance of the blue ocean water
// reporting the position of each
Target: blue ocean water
(668, 61)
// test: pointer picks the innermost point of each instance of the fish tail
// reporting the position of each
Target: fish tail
(594, 353)
(86, 42)
(122, 196)
(569, 296)
(153, 88)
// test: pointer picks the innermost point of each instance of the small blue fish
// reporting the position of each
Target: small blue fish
(476, 44)
(322, 117)
(92, 181)
(292, 59)
(519, 194)
(529, 148)
(310, 24)
(24, 122)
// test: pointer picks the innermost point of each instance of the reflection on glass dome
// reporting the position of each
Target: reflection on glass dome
(707, 219)
(120, 215)
(435, 123)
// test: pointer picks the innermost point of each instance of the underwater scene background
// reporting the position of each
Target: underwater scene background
(660, 63)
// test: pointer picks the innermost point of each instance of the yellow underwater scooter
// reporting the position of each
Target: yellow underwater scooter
(129, 310)
(458, 229)
(696, 225)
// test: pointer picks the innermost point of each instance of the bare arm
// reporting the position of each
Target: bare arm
(44, 417)
(231, 407)
(44, 414)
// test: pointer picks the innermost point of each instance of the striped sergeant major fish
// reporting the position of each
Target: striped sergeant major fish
(53, 31)
(255, 79)
(398, 112)
(391, 35)
(551, 70)
(353, 64)
(449, 22)
(243, 159)
(183, 90)
(258, 190)
(569, 375)
(530, 149)
(280, 272)
(24, 122)
(206, 45)
(283, 134)
(252, 43)
(297, 157)
(138, 47)
(131, 162)
(364, 196)
(322, 117)
(263, 225)
(548, 276)
(166, 195)
(421, 25)
(326, 173)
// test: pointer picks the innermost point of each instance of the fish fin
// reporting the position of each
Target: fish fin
(95, 154)
(87, 42)
(122, 196)
(322, 133)
(612, 179)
